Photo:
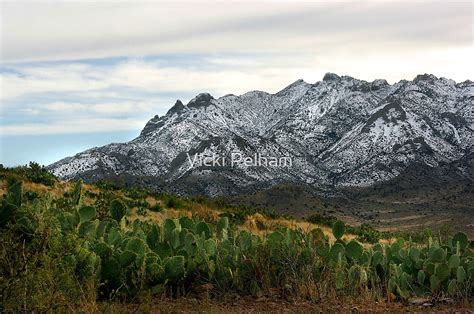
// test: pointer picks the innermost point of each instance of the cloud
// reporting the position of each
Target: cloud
(88, 125)
(100, 108)
(78, 30)
(61, 97)
(119, 79)
(120, 62)
(96, 68)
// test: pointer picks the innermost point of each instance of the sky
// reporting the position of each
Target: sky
(79, 74)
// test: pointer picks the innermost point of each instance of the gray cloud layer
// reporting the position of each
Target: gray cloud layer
(216, 47)
(39, 31)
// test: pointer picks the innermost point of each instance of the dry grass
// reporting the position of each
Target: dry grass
(257, 223)
(153, 201)
(3, 187)
(260, 225)
(57, 190)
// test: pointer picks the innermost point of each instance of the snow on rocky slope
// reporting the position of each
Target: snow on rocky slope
(340, 131)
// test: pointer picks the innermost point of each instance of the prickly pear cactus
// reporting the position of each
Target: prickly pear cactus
(153, 236)
(354, 250)
(187, 223)
(137, 246)
(203, 228)
(338, 229)
(210, 247)
(86, 213)
(126, 258)
(169, 225)
(118, 209)
(174, 267)
(437, 255)
(88, 228)
(442, 271)
(337, 252)
(245, 241)
(77, 193)
(222, 226)
(357, 276)
(462, 239)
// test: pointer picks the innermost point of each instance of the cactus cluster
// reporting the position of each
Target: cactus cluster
(137, 255)
(406, 269)
(128, 257)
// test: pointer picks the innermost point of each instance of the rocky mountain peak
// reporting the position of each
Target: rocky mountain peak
(201, 100)
(425, 77)
(378, 84)
(178, 107)
(331, 77)
(346, 133)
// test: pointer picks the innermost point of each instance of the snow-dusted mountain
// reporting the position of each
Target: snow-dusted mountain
(340, 131)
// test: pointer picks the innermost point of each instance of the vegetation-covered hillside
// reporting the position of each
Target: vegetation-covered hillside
(71, 246)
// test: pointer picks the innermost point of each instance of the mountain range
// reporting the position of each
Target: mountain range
(340, 132)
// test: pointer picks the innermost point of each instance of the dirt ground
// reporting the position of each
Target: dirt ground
(252, 305)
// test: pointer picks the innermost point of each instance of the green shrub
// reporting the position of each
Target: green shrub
(172, 201)
(39, 174)
(156, 208)
(142, 211)
(31, 195)
(32, 172)
(49, 269)
(321, 220)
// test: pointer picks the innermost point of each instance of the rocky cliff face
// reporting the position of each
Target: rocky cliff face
(340, 131)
